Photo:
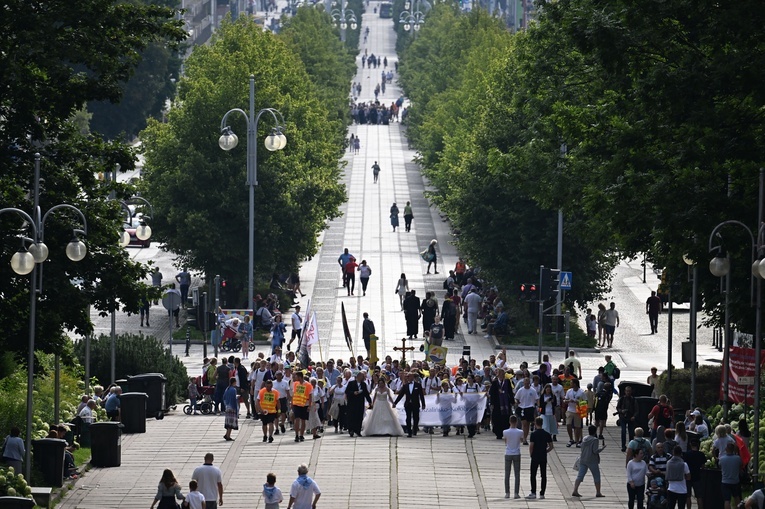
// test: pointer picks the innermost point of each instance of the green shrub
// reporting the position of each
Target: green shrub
(679, 391)
(13, 388)
(136, 354)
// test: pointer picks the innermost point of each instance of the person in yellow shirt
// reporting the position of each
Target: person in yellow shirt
(301, 398)
(268, 408)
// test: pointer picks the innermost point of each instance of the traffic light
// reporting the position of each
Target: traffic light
(223, 283)
(528, 291)
(550, 284)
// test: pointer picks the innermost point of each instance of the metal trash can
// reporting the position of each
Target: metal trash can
(711, 479)
(133, 412)
(645, 405)
(639, 389)
(124, 385)
(49, 460)
(85, 434)
(106, 440)
(153, 384)
(16, 503)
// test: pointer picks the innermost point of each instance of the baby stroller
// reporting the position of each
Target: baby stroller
(204, 402)
(656, 493)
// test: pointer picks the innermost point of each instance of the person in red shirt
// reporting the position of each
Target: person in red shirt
(350, 274)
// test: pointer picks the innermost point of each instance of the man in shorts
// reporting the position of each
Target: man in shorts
(282, 386)
(526, 399)
(573, 420)
(301, 398)
(612, 322)
(297, 326)
(268, 407)
(730, 465)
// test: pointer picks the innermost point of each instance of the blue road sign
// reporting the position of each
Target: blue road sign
(565, 280)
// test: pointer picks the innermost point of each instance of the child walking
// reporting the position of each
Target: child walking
(272, 495)
(195, 500)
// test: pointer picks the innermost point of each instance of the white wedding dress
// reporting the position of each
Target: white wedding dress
(383, 418)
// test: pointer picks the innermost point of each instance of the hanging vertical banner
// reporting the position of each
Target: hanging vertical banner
(741, 379)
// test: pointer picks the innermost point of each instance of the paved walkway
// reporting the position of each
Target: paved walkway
(438, 472)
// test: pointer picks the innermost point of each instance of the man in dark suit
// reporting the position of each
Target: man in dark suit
(356, 393)
(412, 314)
(415, 395)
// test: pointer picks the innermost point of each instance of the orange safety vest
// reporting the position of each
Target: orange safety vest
(268, 400)
(300, 393)
(460, 268)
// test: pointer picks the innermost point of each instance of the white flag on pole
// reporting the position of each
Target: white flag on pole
(311, 331)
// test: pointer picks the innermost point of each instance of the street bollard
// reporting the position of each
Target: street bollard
(188, 340)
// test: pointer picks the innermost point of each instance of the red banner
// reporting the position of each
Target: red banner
(741, 365)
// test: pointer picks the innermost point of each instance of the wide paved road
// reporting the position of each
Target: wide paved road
(427, 471)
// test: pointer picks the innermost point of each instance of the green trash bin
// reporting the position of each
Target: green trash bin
(711, 481)
(85, 434)
(153, 384)
(638, 389)
(49, 460)
(645, 405)
(106, 440)
(133, 412)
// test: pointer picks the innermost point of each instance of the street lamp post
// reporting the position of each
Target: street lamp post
(275, 141)
(343, 17)
(412, 19)
(692, 332)
(27, 261)
(720, 267)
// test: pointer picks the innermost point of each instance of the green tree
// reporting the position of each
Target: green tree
(198, 190)
(328, 63)
(53, 59)
(144, 95)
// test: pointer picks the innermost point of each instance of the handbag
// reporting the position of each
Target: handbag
(425, 255)
(576, 463)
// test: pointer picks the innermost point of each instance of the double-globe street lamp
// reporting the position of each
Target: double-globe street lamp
(29, 260)
(343, 17)
(720, 267)
(412, 19)
(274, 141)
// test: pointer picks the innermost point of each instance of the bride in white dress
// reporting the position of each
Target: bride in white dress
(383, 419)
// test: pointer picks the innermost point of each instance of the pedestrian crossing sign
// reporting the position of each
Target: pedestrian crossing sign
(565, 280)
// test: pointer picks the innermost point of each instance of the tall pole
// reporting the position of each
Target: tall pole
(252, 181)
(342, 20)
(559, 297)
(114, 347)
(31, 356)
(669, 336)
(758, 342)
(694, 301)
(541, 315)
(726, 353)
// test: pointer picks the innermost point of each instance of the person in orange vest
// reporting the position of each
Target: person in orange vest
(268, 408)
(301, 398)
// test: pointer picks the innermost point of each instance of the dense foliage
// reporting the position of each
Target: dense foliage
(658, 105)
(198, 190)
(137, 354)
(54, 57)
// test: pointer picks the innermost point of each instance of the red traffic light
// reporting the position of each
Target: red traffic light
(533, 288)
(223, 283)
(523, 288)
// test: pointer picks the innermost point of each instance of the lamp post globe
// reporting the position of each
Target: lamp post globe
(143, 232)
(353, 25)
(719, 266)
(22, 262)
(761, 270)
(228, 141)
(39, 251)
(272, 142)
(282, 140)
(124, 239)
(756, 269)
(76, 250)
(688, 260)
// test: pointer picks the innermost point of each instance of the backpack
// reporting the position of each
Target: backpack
(664, 417)
(446, 284)
(616, 373)
(645, 445)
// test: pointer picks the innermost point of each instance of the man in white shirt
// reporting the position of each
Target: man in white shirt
(283, 387)
(560, 393)
(472, 307)
(304, 493)
(573, 421)
(612, 322)
(210, 481)
(297, 326)
(526, 399)
(87, 414)
(513, 437)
